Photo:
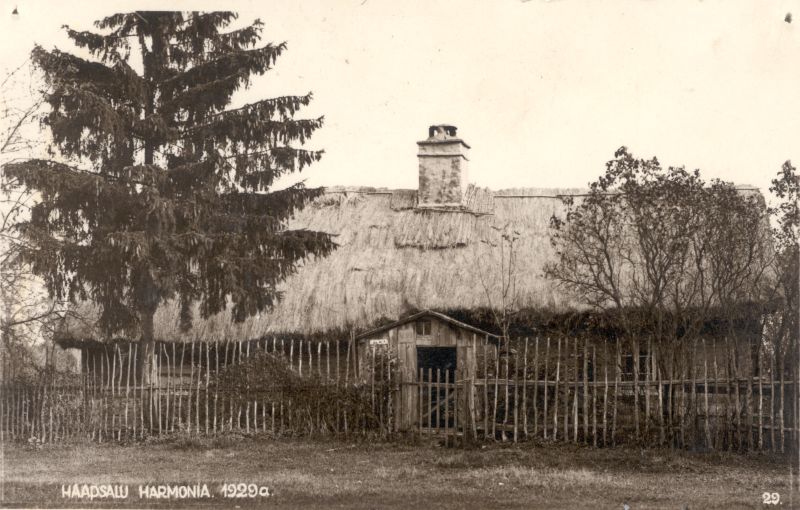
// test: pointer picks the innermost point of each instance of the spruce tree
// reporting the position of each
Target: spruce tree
(158, 188)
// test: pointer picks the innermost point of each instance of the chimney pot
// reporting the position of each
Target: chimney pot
(442, 131)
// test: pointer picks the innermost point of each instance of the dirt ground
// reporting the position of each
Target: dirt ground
(311, 474)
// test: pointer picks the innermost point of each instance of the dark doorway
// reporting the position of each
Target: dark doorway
(441, 358)
(438, 402)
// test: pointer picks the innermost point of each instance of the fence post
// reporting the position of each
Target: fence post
(420, 397)
(555, 393)
(104, 371)
(3, 402)
(338, 372)
(238, 361)
(208, 369)
(705, 393)
(546, 384)
(327, 361)
(485, 387)
(438, 398)
(14, 389)
(356, 368)
(372, 376)
(505, 394)
(128, 385)
(748, 400)
(191, 385)
(694, 413)
(575, 418)
(737, 408)
(456, 407)
(760, 402)
(718, 431)
(346, 361)
(617, 368)
(535, 386)
(53, 399)
(605, 394)
(648, 383)
(300, 358)
(525, 391)
(661, 418)
(635, 356)
(473, 427)
(170, 385)
(446, 407)
(516, 394)
(114, 389)
(594, 396)
(780, 409)
(683, 371)
(175, 388)
(157, 366)
(319, 360)
(585, 390)
(496, 390)
(430, 400)
(216, 381)
(391, 417)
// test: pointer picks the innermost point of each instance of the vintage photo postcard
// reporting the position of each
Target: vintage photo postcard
(374, 254)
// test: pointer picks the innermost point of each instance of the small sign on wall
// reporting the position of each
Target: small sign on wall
(379, 341)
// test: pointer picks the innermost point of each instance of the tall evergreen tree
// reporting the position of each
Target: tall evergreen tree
(167, 194)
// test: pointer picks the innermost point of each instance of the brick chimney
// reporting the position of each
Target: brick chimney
(442, 168)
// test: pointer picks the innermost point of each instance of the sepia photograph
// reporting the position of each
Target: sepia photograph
(375, 254)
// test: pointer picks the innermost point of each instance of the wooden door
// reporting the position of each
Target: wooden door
(406, 398)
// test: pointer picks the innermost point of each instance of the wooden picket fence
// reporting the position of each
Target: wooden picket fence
(106, 402)
(542, 389)
(565, 390)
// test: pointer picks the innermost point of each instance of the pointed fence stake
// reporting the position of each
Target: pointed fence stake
(555, 393)
(535, 386)
(586, 391)
(516, 394)
(525, 391)
(546, 384)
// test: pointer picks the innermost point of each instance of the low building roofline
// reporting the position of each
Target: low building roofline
(424, 313)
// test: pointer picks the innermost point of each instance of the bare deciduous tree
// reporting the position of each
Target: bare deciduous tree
(661, 253)
(497, 271)
(783, 327)
(27, 315)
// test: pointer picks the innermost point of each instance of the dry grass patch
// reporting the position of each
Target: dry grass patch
(324, 474)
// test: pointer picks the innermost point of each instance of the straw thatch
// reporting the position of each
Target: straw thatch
(392, 258)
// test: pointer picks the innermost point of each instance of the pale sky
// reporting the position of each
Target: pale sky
(544, 92)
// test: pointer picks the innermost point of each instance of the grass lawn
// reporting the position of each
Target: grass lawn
(337, 474)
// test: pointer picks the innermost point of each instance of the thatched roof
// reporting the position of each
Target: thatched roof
(393, 258)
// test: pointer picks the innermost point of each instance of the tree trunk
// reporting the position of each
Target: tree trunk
(147, 349)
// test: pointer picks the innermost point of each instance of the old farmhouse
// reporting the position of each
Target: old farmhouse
(399, 252)
(415, 274)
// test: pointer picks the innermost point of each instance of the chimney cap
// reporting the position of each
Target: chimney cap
(442, 131)
(438, 133)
